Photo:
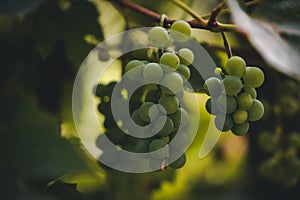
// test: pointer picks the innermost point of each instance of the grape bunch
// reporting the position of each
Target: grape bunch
(233, 97)
(156, 105)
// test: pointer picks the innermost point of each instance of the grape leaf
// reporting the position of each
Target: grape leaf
(30, 141)
(17, 7)
(277, 43)
(52, 24)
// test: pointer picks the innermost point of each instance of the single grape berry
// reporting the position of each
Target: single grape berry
(240, 129)
(179, 163)
(235, 66)
(250, 91)
(240, 116)
(211, 106)
(169, 61)
(180, 31)
(142, 146)
(256, 111)
(186, 56)
(170, 103)
(184, 71)
(223, 123)
(158, 36)
(147, 111)
(180, 117)
(232, 84)
(153, 72)
(213, 86)
(152, 96)
(137, 119)
(253, 77)
(167, 128)
(245, 101)
(173, 81)
(157, 150)
(226, 104)
(134, 70)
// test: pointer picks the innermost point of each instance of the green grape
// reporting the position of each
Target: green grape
(268, 142)
(167, 128)
(184, 71)
(245, 101)
(180, 117)
(173, 81)
(226, 104)
(223, 125)
(137, 119)
(147, 111)
(253, 77)
(158, 36)
(142, 146)
(170, 103)
(115, 135)
(209, 108)
(235, 66)
(240, 129)
(157, 150)
(256, 111)
(169, 61)
(180, 31)
(240, 116)
(294, 140)
(213, 86)
(218, 71)
(165, 138)
(232, 84)
(134, 70)
(179, 163)
(186, 56)
(152, 96)
(153, 72)
(250, 91)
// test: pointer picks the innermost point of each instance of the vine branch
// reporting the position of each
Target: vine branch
(198, 21)
(226, 45)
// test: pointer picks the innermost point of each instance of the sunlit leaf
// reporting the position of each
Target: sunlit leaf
(279, 52)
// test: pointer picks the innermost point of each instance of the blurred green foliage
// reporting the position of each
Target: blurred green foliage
(43, 43)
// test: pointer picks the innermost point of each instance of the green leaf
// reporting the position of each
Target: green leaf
(53, 23)
(17, 7)
(31, 143)
(277, 42)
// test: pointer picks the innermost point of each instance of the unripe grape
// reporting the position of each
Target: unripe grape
(251, 91)
(235, 66)
(153, 72)
(142, 146)
(157, 150)
(213, 86)
(253, 77)
(256, 111)
(134, 70)
(209, 106)
(232, 84)
(179, 162)
(173, 81)
(240, 129)
(158, 36)
(167, 128)
(184, 71)
(245, 101)
(186, 56)
(180, 31)
(147, 111)
(169, 61)
(223, 125)
(240, 116)
(226, 104)
(137, 119)
(180, 117)
(170, 103)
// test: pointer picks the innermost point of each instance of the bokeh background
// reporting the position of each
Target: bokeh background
(44, 42)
